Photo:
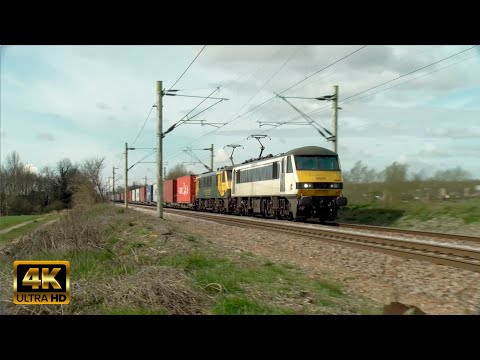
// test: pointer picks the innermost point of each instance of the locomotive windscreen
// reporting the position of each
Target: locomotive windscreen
(305, 162)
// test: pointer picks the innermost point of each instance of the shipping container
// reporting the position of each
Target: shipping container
(186, 189)
(137, 195)
(149, 198)
(154, 193)
(142, 194)
(122, 197)
(170, 191)
(130, 195)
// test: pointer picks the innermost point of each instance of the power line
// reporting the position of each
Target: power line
(263, 86)
(411, 72)
(216, 89)
(299, 82)
(418, 77)
(187, 67)
(181, 121)
(326, 67)
(146, 156)
(143, 125)
(290, 87)
(270, 99)
(334, 71)
(246, 102)
(151, 109)
(361, 92)
(376, 86)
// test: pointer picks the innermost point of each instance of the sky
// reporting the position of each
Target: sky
(80, 102)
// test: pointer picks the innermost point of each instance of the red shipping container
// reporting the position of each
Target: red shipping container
(170, 191)
(142, 194)
(186, 189)
(129, 196)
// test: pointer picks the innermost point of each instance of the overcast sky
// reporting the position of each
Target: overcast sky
(87, 101)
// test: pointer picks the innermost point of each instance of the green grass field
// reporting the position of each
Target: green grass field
(466, 211)
(7, 221)
(15, 233)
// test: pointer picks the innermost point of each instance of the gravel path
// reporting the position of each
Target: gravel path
(435, 289)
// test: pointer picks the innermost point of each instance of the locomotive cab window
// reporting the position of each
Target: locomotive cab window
(229, 175)
(289, 165)
(304, 162)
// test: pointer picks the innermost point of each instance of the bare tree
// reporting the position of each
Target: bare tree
(177, 171)
(89, 187)
(66, 181)
(456, 174)
(395, 181)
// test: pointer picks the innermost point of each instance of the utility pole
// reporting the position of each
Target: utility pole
(164, 172)
(335, 118)
(159, 152)
(211, 159)
(126, 176)
(113, 190)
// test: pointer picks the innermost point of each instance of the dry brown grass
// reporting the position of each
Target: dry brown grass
(75, 230)
(150, 288)
(160, 287)
(137, 285)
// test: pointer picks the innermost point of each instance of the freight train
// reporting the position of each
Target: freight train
(297, 185)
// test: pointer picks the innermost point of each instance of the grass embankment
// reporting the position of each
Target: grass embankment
(400, 214)
(125, 262)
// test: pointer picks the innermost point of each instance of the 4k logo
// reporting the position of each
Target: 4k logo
(41, 282)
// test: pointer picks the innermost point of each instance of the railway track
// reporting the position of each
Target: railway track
(430, 234)
(458, 256)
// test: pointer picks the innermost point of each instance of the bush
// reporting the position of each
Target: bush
(57, 205)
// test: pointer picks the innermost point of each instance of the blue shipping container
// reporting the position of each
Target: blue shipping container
(149, 198)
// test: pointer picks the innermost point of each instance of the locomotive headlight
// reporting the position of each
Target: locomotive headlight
(335, 186)
(307, 185)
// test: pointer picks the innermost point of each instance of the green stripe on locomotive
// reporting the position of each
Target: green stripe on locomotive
(207, 187)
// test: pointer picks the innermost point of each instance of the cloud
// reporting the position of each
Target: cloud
(440, 109)
(455, 133)
(45, 137)
(103, 106)
(31, 168)
(222, 155)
